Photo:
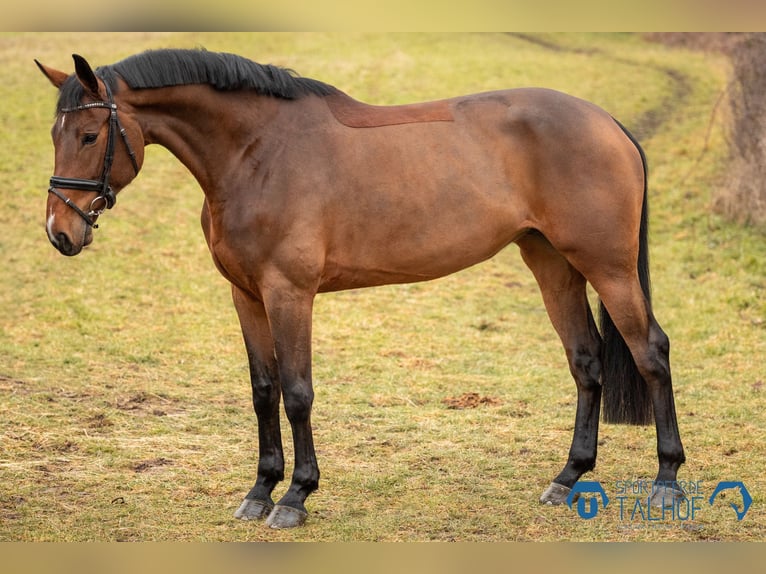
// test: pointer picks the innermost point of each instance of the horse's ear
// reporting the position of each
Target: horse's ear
(85, 74)
(54, 76)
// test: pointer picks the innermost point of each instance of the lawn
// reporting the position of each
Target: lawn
(125, 409)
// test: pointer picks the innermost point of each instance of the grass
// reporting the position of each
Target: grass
(124, 404)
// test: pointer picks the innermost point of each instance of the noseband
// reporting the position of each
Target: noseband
(105, 192)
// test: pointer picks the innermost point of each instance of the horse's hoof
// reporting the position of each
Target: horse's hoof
(286, 517)
(555, 494)
(666, 497)
(254, 509)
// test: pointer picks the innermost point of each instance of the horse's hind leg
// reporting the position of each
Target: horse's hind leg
(650, 347)
(264, 379)
(564, 295)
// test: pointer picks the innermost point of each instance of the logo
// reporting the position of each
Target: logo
(680, 502)
(747, 500)
(586, 487)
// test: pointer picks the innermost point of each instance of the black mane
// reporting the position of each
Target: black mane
(161, 68)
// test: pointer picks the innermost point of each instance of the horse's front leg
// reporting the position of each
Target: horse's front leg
(289, 310)
(264, 378)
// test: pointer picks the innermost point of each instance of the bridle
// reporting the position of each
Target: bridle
(102, 187)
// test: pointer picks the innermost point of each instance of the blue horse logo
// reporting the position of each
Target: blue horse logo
(747, 500)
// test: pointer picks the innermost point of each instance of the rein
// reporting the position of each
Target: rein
(101, 186)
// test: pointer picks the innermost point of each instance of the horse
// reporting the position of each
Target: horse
(308, 191)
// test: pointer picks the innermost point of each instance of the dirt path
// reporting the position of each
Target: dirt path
(650, 121)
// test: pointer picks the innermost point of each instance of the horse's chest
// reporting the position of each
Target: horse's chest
(227, 256)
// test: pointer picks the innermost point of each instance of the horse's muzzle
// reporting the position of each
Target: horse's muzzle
(66, 246)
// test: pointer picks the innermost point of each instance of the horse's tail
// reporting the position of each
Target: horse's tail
(626, 396)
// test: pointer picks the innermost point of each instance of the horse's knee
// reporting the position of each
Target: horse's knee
(265, 395)
(264, 387)
(298, 399)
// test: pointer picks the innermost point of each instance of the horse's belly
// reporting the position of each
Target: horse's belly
(378, 254)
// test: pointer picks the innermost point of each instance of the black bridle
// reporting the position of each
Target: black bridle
(102, 187)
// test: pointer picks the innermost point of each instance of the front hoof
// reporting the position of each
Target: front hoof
(254, 509)
(666, 497)
(286, 517)
(555, 494)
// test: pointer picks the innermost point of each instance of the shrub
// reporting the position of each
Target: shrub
(743, 198)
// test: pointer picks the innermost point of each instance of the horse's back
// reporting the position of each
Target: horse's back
(423, 191)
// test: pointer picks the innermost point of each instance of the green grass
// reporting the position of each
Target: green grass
(124, 404)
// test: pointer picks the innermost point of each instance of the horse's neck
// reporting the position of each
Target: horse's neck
(200, 126)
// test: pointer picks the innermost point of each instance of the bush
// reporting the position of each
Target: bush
(744, 195)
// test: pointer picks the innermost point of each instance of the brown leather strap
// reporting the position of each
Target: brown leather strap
(355, 114)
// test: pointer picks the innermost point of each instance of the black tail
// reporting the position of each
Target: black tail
(626, 396)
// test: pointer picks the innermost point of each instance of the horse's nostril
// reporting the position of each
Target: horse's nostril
(62, 242)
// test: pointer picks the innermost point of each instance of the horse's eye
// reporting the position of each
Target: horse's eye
(89, 139)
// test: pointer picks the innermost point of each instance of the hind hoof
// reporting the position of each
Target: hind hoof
(555, 494)
(666, 497)
(254, 509)
(286, 517)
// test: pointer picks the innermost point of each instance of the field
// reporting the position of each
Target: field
(125, 410)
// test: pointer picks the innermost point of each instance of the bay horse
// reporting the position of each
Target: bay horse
(308, 190)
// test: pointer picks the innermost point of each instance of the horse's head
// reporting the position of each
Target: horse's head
(99, 150)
